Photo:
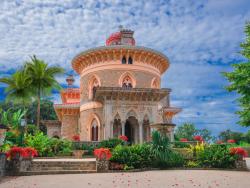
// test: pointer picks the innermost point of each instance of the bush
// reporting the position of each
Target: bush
(217, 156)
(89, 148)
(110, 143)
(181, 145)
(48, 147)
(136, 156)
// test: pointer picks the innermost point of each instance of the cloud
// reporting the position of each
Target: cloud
(201, 39)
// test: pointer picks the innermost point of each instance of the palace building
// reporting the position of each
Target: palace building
(120, 93)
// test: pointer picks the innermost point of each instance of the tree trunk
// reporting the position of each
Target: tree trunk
(38, 110)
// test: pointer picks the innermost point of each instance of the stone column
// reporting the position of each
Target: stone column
(123, 127)
(141, 132)
(172, 135)
(111, 129)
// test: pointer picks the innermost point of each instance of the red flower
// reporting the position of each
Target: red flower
(198, 138)
(219, 142)
(102, 154)
(21, 152)
(124, 138)
(231, 141)
(238, 151)
(184, 140)
(76, 138)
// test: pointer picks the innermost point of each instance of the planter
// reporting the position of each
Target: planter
(2, 164)
(17, 165)
(241, 164)
(102, 165)
(78, 153)
(116, 166)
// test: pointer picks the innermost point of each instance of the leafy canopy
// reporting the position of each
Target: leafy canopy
(240, 80)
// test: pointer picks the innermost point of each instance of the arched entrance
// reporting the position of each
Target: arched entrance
(132, 129)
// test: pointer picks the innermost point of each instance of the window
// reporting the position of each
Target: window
(127, 83)
(124, 61)
(94, 130)
(130, 60)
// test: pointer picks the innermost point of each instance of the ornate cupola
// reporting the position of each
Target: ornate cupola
(123, 37)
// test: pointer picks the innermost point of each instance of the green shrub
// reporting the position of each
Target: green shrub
(181, 145)
(89, 148)
(136, 156)
(164, 156)
(217, 156)
(110, 143)
(48, 147)
(192, 164)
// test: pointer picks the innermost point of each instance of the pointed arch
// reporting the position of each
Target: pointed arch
(94, 127)
(117, 126)
(93, 83)
(128, 80)
(155, 83)
(131, 113)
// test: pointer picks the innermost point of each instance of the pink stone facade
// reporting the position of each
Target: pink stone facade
(119, 92)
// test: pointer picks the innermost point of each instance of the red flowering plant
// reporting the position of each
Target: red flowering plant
(76, 144)
(240, 152)
(231, 141)
(17, 152)
(124, 138)
(219, 142)
(198, 138)
(183, 140)
(102, 154)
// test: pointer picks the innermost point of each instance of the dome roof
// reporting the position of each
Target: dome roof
(114, 37)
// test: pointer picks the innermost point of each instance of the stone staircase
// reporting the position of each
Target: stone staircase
(61, 166)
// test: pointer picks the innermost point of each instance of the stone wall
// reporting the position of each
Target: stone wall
(110, 78)
(86, 117)
(2, 164)
(69, 126)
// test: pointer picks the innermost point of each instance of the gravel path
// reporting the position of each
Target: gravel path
(158, 179)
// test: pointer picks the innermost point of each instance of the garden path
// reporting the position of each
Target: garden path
(159, 179)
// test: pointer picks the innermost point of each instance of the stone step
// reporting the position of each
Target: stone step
(61, 166)
(45, 172)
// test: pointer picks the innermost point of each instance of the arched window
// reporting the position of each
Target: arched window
(154, 83)
(127, 83)
(130, 60)
(95, 85)
(94, 130)
(124, 61)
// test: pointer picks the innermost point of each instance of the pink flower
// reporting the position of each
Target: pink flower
(184, 140)
(76, 138)
(124, 138)
(238, 151)
(231, 141)
(198, 138)
(219, 142)
(102, 153)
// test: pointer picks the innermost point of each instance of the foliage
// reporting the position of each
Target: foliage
(40, 142)
(188, 131)
(89, 148)
(12, 119)
(135, 156)
(6, 146)
(192, 164)
(181, 144)
(217, 156)
(48, 146)
(110, 143)
(31, 129)
(228, 134)
(18, 87)
(197, 149)
(163, 155)
(42, 79)
(240, 80)
(102, 154)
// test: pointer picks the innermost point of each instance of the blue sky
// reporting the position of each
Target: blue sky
(201, 39)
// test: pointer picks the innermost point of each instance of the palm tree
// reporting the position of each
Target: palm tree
(18, 88)
(42, 79)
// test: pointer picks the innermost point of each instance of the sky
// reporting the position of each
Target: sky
(201, 39)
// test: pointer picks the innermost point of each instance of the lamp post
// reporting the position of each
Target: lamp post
(23, 124)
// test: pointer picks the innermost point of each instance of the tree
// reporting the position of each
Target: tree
(205, 134)
(240, 81)
(228, 134)
(43, 80)
(187, 130)
(18, 88)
